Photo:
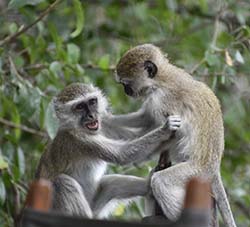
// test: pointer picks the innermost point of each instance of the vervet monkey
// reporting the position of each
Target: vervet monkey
(76, 160)
(197, 149)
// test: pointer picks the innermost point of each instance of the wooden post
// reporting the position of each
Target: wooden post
(198, 194)
(40, 195)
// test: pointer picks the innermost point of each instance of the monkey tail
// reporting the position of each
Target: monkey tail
(222, 201)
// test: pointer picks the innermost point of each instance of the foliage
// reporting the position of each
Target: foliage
(82, 41)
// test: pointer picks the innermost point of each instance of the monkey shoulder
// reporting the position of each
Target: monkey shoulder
(65, 147)
(45, 166)
(206, 99)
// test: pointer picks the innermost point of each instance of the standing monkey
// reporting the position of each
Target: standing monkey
(198, 145)
(76, 160)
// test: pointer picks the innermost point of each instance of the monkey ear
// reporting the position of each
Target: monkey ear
(151, 68)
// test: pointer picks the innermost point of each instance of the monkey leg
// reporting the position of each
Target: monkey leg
(115, 187)
(168, 187)
(68, 197)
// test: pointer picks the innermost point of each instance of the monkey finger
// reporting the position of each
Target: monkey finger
(174, 127)
(174, 119)
(174, 116)
(175, 123)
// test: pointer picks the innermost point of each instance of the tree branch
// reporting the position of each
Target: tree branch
(85, 66)
(195, 67)
(22, 127)
(216, 32)
(11, 38)
(96, 67)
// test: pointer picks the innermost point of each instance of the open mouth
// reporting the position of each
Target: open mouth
(93, 125)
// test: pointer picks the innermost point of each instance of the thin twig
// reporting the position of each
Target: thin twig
(216, 32)
(85, 66)
(197, 65)
(11, 38)
(95, 67)
(36, 67)
(13, 67)
(22, 127)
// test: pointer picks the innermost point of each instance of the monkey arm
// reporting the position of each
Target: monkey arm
(124, 152)
(128, 126)
(137, 119)
(117, 132)
(117, 186)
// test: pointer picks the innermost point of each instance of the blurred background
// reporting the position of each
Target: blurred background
(45, 45)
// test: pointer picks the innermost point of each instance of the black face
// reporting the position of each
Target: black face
(151, 68)
(128, 90)
(88, 111)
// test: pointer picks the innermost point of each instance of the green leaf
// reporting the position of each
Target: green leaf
(51, 122)
(2, 192)
(73, 53)
(55, 67)
(104, 62)
(27, 99)
(58, 41)
(211, 59)
(204, 5)
(78, 9)
(9, 151)
(13, 28)
(3, 163)
(15, 117)
(80, 70)
(224, 40)
(16, 4)
(19, 61)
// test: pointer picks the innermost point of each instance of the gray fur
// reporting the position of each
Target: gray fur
(76, 160)
(199, 143)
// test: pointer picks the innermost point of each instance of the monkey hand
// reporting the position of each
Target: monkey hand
(173, 123)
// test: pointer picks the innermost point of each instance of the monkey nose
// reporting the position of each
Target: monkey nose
(90, 116)
(128, 90)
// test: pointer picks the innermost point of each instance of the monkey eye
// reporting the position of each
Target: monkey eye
(151, 68)
(125, 81)
(79, 106)
(93, 101)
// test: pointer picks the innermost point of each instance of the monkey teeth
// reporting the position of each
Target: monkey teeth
(92, 125)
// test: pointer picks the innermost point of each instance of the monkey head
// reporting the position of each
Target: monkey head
(80, 106)
(138, 68)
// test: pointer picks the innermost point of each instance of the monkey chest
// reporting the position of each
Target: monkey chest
(88, 174)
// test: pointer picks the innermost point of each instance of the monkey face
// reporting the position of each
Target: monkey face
(137, 70)
(140, 82)
(80, 108)
(88, 113)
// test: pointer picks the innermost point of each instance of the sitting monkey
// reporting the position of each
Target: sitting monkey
(87, 139)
